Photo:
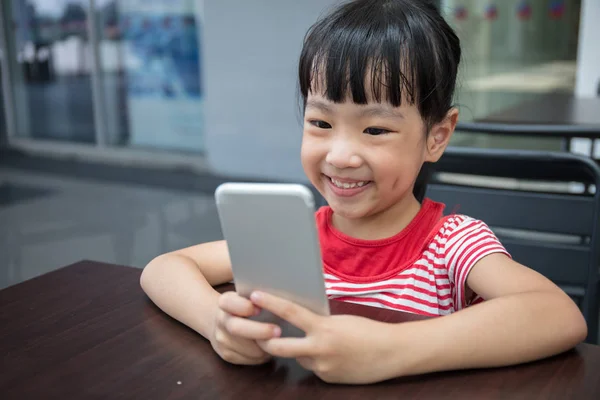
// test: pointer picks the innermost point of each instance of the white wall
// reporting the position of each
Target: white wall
(588, 58)
(250, 54)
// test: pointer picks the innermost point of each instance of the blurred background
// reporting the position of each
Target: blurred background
(118, 119)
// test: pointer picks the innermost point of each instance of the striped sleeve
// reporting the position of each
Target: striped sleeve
(468, 240)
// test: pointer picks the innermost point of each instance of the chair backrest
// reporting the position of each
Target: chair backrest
(530, 200)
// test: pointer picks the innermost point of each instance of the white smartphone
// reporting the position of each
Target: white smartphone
(273, 244)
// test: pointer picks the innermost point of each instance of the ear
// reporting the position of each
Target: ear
(440, 135)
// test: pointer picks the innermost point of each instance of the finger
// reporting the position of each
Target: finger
(249, 349)
(306, 363)
(239, 359)
(289, 311)
(235, 304)
(244, 347)
(288, 347)
(249, 329)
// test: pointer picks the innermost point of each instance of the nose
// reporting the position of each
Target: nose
(343, 154)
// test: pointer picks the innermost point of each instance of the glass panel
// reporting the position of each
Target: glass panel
(513, 51)
(3, 133)
(49, 57)
(150, 61)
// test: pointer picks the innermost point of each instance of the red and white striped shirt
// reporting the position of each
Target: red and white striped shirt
(421, 270)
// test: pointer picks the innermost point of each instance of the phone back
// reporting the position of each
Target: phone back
(273, 243)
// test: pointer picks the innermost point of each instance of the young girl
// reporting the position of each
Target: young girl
(377, 79)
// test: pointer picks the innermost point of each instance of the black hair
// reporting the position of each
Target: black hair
(404, 47)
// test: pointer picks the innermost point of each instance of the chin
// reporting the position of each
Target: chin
(349, 211)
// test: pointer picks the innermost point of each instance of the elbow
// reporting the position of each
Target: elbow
(580, 329)
(576, 331)
(144, 279)
(149, 272)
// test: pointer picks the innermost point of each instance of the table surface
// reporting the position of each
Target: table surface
(88, 331)
(551, 109)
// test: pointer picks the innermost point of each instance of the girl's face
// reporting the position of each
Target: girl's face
(364, 159)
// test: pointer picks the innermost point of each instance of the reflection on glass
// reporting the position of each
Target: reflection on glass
(514, 50)
(150, 58)
(3, 131)
(50, 60)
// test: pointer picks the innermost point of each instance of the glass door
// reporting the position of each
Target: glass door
(150, 63)
(49, 56)
(513, 51)
(3, 130)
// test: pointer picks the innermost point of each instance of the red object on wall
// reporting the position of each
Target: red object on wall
(491, 12)
(524, 11)
(461, 13)
(557, 9)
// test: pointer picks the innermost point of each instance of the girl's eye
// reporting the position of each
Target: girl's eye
(320, 124)
(376, 131)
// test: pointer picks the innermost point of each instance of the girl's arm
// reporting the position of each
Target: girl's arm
(180, 283)
(525, 317)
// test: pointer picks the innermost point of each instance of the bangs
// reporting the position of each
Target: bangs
(347, 58)
(390, 51)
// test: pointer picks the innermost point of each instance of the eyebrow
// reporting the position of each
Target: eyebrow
(366, 111)
(319, 105)
(382, 112)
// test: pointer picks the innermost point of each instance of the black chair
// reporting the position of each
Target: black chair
(552, 230)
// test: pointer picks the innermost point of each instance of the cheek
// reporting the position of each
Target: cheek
(399, 167)
(309, 155)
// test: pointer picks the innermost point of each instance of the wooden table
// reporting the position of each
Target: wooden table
(88, 331)
(576, 121)
(551, 109)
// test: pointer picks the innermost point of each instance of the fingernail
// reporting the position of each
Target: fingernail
(255, 296)
(277, 331)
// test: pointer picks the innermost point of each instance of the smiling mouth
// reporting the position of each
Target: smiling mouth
(347, 184)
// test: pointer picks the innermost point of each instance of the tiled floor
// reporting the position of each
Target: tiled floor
(49, 221)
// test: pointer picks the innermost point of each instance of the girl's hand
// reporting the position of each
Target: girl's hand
(234, 335)
(338, 349)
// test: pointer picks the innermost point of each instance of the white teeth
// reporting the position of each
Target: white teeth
(346, 185)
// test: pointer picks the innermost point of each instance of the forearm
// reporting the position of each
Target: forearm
(176, 285)
(504, 331)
